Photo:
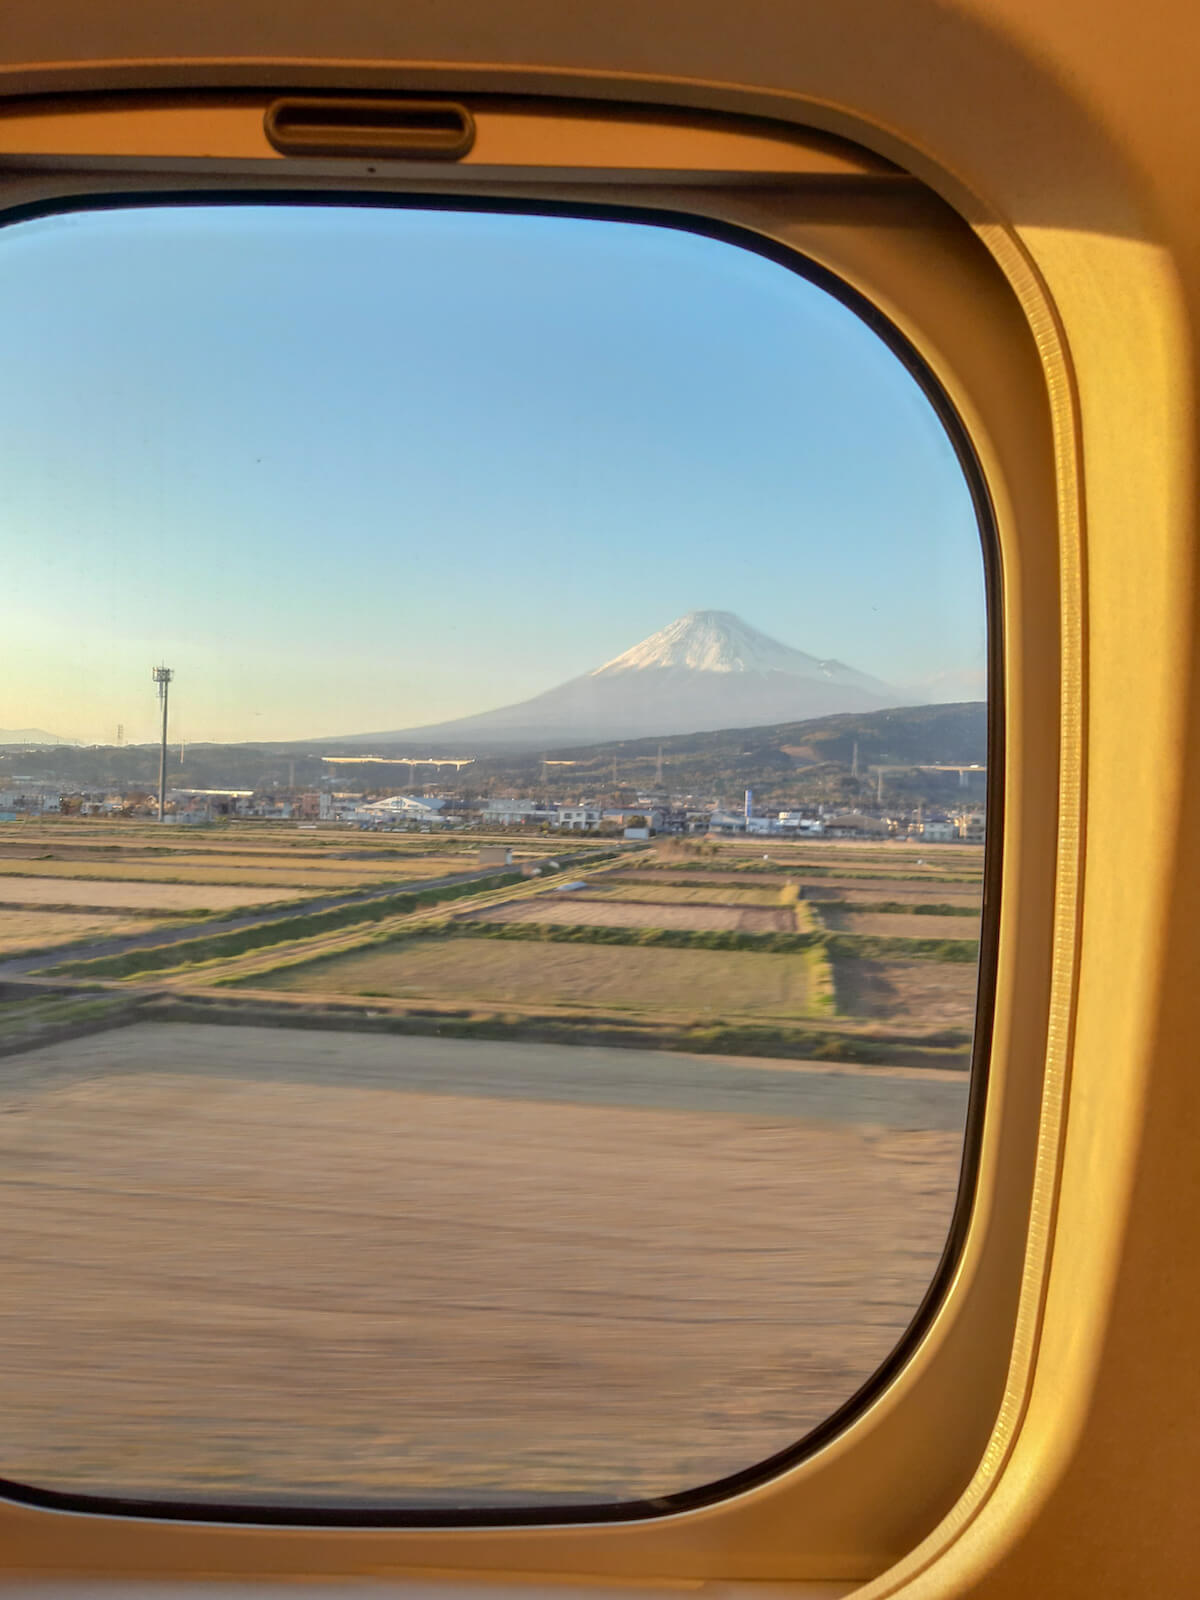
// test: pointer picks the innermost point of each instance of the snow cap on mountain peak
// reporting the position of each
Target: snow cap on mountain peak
(711, 641)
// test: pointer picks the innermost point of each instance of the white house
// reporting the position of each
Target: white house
(578, 818)
(403, 808)
(505, 811)
(939, 832)
(971, 826)
(797, 822)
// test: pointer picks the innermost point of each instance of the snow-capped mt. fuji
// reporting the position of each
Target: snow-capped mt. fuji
(718, 641)
(704, 671)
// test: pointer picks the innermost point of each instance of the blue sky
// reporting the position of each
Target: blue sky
(348, 469)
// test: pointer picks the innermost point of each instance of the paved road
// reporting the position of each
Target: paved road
(247, 919)
(896, 1098)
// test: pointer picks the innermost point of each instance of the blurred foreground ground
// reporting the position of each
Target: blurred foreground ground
(245, 1262)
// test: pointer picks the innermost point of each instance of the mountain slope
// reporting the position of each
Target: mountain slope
(708, 669)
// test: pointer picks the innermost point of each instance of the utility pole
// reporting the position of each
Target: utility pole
(162, 677)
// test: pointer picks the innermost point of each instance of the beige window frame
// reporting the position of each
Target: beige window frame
(875, 1487)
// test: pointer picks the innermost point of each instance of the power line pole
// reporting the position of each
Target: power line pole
(162, 677)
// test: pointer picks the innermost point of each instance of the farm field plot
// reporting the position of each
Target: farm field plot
(918, 894)
(263, 839)
(910, 994)
(93, 842)
(764, 873)
(180, 845)
(895, 925)
(848, 853)
(652, 877)
(680, 894)
(608, 977)
(896, 858)
(189, 869)
(166, 897)
(569, 911)
(39, 930)
(294, 1269)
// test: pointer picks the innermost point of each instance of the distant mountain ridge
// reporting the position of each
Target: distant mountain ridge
(784, 762)
(790, 760)
(705, 670)
(953, 734)
(35, 736)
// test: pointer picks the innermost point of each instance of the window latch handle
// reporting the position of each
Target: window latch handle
(322, 125)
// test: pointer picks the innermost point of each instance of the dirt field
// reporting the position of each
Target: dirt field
(165, 897)
(266, 1270)
(38, 930)
(916, 994)
(613, 913)
(895, 925)
(610, 977)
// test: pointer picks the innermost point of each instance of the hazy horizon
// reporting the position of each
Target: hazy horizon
(352, 470)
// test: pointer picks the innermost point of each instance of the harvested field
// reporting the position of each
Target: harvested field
(291, 1274)
(895, 855)
(895, 925)
(909, 994)
(653, 877)
(814, 876)
(331, 860)
(190, 869)
(165, 897)
(613, 978)
(919, 892)
(571, 911)
(40, 930)
(699, 894)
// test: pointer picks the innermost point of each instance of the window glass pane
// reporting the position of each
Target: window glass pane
(527, 1059)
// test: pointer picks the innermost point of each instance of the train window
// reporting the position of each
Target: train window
(493, 818)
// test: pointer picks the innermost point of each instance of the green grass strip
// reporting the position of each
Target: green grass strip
(822, 986)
